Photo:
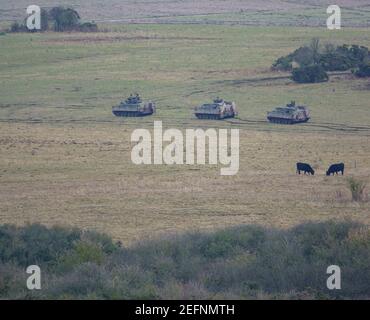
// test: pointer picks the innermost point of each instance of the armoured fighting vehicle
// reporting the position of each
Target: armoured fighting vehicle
(217, 110)
(289, 114)
(133, 106)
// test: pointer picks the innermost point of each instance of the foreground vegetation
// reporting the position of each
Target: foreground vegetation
(244, 262)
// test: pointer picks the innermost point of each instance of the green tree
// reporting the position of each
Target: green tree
(304, 56)
(315, 49)
(65, 19)
(44, 20)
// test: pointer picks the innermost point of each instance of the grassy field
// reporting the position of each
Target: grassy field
(64, 159)
(249, 12)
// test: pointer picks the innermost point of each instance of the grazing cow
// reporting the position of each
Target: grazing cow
(335, 168)
(305, 167)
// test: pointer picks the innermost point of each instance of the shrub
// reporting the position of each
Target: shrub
(332, 58)
(101, 240)
(310, 74)
(17, 27)
(88, 27)
(232, 241)
(85, 281)
(363, 71)
(12, 280)
(35, 244)
(240, 263)
(344, 58)
(335, 62)
(283, 63)
(303, 56)
(356, 54)
(82, 252)
(357, 189)
(218, 246)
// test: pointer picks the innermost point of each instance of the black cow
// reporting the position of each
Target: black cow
(335, 168)
(305, 167)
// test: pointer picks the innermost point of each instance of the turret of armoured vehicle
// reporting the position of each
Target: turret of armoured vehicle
(289, 114)
(133, 106)
(217, 110)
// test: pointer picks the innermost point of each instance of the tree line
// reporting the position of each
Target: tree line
(59, 19)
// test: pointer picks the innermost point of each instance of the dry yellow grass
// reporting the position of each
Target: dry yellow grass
(64, 158)
(83, 176)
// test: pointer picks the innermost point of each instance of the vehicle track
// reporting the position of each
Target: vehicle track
(325, 125)
(260, 125)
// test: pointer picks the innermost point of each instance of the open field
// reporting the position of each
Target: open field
(246, 12)
(82, 176)
(64, 159)
(78, 77)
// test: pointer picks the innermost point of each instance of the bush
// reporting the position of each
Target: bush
(88, 27)
(283, 63)
(344, 58)
(238, 263)
(310, 74)
(12, 280)
(82, 252)
(332, 58)
(363, 71)
(303, 56)
(35, 244)
(230, 242)
(335, 62)
(357, 189)
(17, 27)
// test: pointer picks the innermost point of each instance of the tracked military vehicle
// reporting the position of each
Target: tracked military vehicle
(217, 110)
(290, 114)
(133, 106)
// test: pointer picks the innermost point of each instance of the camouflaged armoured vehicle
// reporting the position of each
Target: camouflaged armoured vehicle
(289, 114)
(217, 110)
(133, 106)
